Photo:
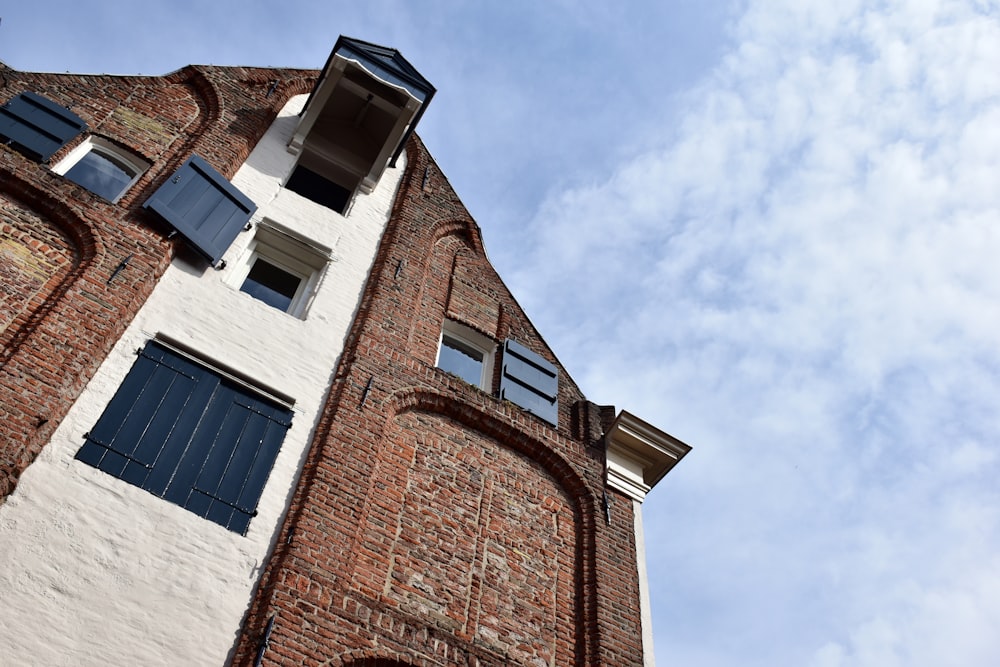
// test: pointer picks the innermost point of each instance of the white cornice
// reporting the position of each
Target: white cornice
(639, 455)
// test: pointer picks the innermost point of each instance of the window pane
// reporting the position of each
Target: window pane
(271, 284)
(461, 359)
(100, 175)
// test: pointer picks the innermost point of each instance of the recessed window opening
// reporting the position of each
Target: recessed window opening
(466, 353)
(461, 359)
(318, 188)
(272, 284)
(102, 168)
(281, 269)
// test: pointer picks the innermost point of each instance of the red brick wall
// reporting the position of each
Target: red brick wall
(436, 524)
(60, 315)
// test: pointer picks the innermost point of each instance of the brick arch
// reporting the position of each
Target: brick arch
(286, 90)
(580, 498)
(424, 400)
(464, 228)
(64, 227)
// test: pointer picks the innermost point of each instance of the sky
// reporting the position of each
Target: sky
(770, 229)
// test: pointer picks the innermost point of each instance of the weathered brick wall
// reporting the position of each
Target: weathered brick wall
(60, 314)
(436, 524)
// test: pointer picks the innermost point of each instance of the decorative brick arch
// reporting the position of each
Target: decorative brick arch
(515, 437)
(79, 243)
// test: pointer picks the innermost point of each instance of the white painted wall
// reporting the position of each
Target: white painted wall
(645, 610)
(94, 571)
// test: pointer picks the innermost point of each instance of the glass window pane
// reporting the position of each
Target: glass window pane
(461, 359)
(271, 284)
(101, 175)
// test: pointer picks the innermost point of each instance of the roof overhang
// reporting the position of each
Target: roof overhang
(385, 81)
(639, 455)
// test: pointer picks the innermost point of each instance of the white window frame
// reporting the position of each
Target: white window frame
(108, 149)
(469, 337)
(287, 251)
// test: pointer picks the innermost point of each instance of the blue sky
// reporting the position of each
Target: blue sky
(770, 230)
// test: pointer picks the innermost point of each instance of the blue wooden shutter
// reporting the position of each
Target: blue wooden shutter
(190, 436)
(530, 381)
(240, 439)
(205, 208)
(142, 418)
(38, 126)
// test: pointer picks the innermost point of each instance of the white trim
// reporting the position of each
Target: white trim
(639, 455)
(291, 252)
(645, 609)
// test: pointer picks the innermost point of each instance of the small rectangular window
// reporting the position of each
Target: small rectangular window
(102, 168)
(318, 188)
(461, 359)
(190, 435)
(281, 269)
(271, 283)
(466, 353)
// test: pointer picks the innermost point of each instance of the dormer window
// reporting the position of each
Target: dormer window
(102, 168)
(357, 118)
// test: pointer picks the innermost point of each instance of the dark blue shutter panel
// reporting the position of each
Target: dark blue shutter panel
(38, 126)
(205, 208)
(190, 436)
(241, 447)
(133, 431)
(530, 381)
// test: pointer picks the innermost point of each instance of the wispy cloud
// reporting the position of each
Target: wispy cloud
(800, 279)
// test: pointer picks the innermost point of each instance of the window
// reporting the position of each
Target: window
(319, 188)
(102, 168)
(466, 353)
(37, 126)
(281, 269)
(191, 435)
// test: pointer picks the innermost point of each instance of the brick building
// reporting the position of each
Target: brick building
(265, 401)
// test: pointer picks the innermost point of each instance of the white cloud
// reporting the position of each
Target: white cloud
(800, 280)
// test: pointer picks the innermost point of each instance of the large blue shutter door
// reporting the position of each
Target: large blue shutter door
(38, 126)
(130, 435)
(240, 443)
(204, 207)
(530, 381)
(182, 432)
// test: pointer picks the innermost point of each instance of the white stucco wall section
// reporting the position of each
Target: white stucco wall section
(94, 571)
(645, 609)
